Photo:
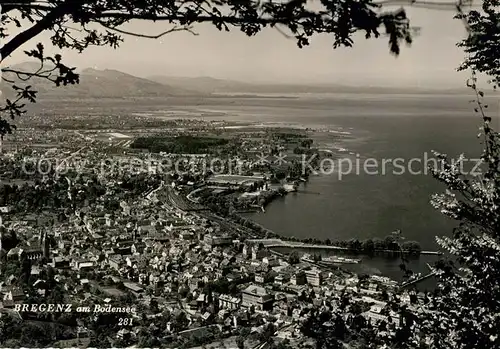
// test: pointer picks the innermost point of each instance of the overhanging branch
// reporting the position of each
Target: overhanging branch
(43, 24)
(200, 19)
(157, 36)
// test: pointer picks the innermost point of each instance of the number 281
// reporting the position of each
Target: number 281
(125, 322)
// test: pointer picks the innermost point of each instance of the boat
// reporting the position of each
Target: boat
(290, 187)
(340, 260)
(307, 258)
(330, 260)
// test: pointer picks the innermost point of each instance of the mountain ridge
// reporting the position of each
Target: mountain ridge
(94, 83)
(216, 85)
(112, 83)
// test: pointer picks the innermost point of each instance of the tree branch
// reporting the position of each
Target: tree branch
(174, 29)
(201, 19)
(39, 73)
(33, 31)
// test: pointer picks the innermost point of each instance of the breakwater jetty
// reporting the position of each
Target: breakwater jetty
(420, 278)
(277, 243)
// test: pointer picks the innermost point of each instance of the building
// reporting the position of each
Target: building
(298, 278)
(314, 277)
(35, 251)
(247, 251)
(14, 295)
(194, 284)
(228, 302)
(2, 231)
(60, 263)
(116, 262)
(257, 297)
(125, 208)
(259, 253)
(14, 253)
(82, 264)
(281, 279)
(215, 241)
(32, 252)
(136, 289)
(263, 277)
(187, 235)
(6, 209)
(45, 244)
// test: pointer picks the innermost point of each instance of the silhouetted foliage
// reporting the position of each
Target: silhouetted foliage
(482, 44)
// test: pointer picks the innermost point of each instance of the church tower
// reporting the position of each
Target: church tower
(45, 244)
(2, 228)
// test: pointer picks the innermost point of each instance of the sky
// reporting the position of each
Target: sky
(430, 62)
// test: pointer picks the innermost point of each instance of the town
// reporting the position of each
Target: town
(87, 223)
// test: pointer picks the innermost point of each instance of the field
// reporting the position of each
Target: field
(180, 144)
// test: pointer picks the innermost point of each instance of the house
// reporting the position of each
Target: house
(241, 319)
(270, 261)
(228, 302)
(82, 332)
(124, 334)
(215, 241)
(35, 270)
(83, 264)
(314, 277)
(14, 295)
(206, 316)
(123, 250)
(263, 277)
(136, 289)
(187, 235)
(60, 263)
(6, 209)
(202, 299)
(281, 279)
(14, 253)
(116, 262)
(257, 297)
(298, 278)
(259, 253)
(247, 251)
(193, 305)
(138, 247)
(149, 230)
(125, 208)
(194, 284)
(132, 261)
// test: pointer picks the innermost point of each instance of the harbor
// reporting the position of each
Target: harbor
(275, 243)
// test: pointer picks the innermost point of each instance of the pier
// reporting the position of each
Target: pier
(306, 246)
(431, 253)
(270, 243)
(420, 279)
(274, 243)
(187, 205)
(416, 281)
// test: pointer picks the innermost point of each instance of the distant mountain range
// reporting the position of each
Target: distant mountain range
(213, 85)
(96, 84)
(116, 84)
